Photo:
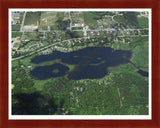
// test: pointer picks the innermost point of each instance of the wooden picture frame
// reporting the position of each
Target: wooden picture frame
(6, 123)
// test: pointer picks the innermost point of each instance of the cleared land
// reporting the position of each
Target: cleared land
(48, 19)
(32, 18)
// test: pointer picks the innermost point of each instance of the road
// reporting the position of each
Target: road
(70, 21)
(103, 29)
(120, 100)
(23, 21)
(69, 40)
(133, 36)
(107, 29)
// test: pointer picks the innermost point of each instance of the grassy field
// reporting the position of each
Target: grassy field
(140, 51)
(90, 19)
(77, 17)
(140, 57)
(16, 34)
(119, 19)
(32, 18)
(16, 27)
(48, 19)
(143, 22)
(121, 46)
(32, 35)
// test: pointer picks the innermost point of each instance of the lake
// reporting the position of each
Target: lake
(46, 72)
(91, 63)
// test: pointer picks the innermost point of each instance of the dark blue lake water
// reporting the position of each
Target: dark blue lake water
(143, 73)
(91, 63)
(46, 72)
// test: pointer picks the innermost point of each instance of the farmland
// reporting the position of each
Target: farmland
(32, 18)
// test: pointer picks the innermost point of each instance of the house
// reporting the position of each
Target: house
(48, 28)
(78, 25)
(15, 22)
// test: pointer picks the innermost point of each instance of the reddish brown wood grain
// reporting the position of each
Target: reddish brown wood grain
(6, 4)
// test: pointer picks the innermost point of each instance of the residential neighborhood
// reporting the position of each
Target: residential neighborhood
(76, 29)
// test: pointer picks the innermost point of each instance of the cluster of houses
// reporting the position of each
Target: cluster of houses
(120, 33)
(15, 18)
(78, 25)
(143, 14)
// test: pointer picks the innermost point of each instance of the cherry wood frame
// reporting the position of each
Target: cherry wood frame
(6, 4)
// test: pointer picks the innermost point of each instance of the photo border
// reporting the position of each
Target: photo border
(83, 117)
(5, 5)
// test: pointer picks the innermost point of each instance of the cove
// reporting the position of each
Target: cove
(46, 72)
(91, 63)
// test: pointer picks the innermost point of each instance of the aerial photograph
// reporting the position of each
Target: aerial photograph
(76, 62)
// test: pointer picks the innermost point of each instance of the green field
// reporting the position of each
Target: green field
(48, 19)
(16, 27)
(132, 20)
(16, 34)
(32, 18)
(53, 20)
(140, 54)
(143, 22)
(119, 19)
(90, 19)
